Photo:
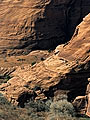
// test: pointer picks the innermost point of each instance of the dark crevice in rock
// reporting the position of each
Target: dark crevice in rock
(24, 97)
(74, 85)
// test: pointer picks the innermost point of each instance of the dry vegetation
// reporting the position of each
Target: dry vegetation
(39, 110)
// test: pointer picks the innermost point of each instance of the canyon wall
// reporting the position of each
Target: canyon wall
(26, 25)
(66, 70)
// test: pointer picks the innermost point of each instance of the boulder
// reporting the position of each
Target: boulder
(80, 104)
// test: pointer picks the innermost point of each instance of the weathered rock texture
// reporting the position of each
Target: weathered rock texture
(38, 24)
(67, 69)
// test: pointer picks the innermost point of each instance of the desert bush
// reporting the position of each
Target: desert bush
(4, 79)
(36, 88)
(20, 59)
(37, 116)
(38, 106)
(36, 109)
(49, 50)
(31, 107)
(3, 100)
(7, 77)
(54, 109)
(62, 107)
(39, 110)
(33, 63)
(11, 112)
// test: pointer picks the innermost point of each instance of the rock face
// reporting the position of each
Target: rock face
(67, 69)
(38, 24)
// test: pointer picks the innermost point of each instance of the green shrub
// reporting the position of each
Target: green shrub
(36, 116)
(36, 88)
(3, 100)
(39, 110)
(4, 79)
(11, 112)
(49, 50)
(35, 109)
(7, 77)
(33, 63)
(38, 106)
(20, 59)
(54, 109)
(62, 107)
(27, 86)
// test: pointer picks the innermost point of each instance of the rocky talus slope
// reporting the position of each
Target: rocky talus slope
(67, 69)
(38, 24)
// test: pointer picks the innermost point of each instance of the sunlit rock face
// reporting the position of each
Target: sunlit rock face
(26, 25)
(67, 69)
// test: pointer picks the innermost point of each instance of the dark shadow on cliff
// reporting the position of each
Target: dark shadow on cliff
(24, 97)
(59, 22)
(74, 84)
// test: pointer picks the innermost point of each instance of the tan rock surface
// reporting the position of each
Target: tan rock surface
(78, 49)
(68, 69)
(38, 24)
(13, 61)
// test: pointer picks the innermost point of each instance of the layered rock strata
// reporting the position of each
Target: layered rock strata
(26, 25)
(67, 69)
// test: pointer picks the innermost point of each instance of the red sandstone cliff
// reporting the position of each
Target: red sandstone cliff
(67, 69)
(38, 24)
